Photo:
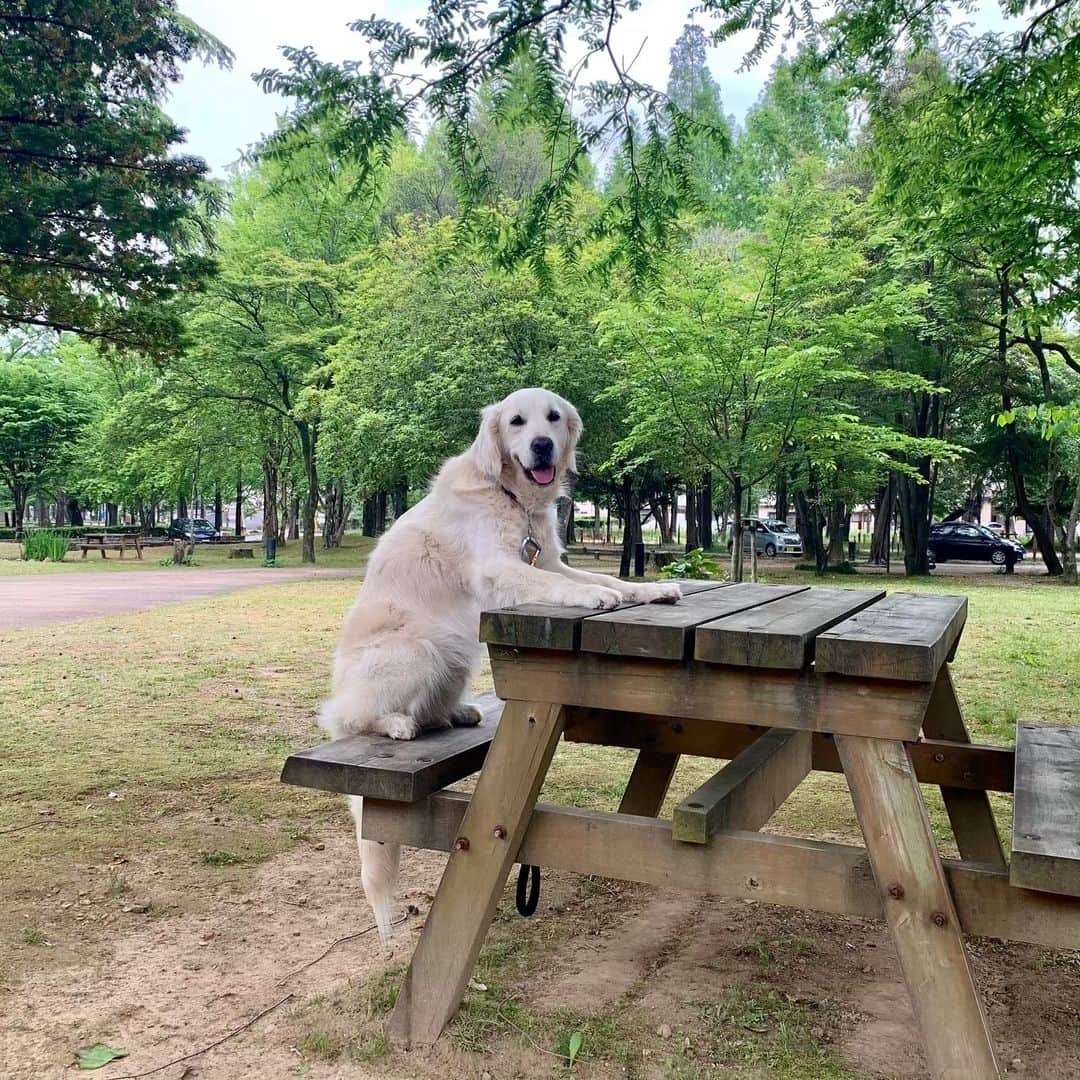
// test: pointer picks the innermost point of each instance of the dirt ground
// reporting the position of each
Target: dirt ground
(205, 958)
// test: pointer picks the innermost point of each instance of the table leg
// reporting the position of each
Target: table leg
(649, 782)
(969, 811)
(918, 907)
(491, 833)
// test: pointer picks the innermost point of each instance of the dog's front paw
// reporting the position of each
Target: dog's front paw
(658, 592)
(400, 726)
(595, 596)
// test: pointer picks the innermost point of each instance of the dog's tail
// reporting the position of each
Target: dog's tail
(378, 873)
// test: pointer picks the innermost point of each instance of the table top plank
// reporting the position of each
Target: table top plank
(667, 632)
(544, 626)
(781, 634)
(906, 636)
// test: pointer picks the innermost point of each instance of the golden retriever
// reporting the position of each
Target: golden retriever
(409, 647)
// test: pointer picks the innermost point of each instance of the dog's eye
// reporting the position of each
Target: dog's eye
(517, 421)
(553, 417)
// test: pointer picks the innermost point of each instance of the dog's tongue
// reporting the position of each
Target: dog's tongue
(543, 476)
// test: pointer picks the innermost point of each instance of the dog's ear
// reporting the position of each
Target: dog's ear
(573, 430)
(486, 450)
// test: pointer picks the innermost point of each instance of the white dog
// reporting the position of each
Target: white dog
(409, 646)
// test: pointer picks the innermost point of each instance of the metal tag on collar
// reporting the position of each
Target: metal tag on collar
(530, 550)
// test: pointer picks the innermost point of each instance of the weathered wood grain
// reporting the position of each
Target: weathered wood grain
(906, 636)
(394, 769)
(543, 626)
(1046, 809)
(780, 634)
(485, 849)
(971, 766)
(919, 908)
(667, 632)
(649, 782)
(747, 791)
(784, 870)
(970, 813)
(787, 699)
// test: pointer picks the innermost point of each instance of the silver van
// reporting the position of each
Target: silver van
(771, 537)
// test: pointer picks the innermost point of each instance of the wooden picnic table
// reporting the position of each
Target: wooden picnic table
(778, 680)
(106, 541)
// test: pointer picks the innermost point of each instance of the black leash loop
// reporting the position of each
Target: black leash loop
(528, 890)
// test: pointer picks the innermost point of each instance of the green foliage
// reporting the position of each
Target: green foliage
(41, 544)
(98, 1056)
(694, 564)
(101, 218)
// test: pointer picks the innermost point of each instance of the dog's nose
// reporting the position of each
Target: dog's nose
(542, 447)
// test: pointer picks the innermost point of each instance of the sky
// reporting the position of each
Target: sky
(224, 112)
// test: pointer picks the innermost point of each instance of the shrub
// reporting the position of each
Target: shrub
(42, 544)
(694, 564)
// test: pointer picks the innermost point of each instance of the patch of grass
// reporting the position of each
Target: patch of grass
(117, 884)
(223, 858)
(766, 1031)
(321, 1044)
(29, 935)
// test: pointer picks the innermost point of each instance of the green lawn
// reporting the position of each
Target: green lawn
(187, 711)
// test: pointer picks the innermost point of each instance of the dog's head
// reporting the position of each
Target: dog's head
(527, 442)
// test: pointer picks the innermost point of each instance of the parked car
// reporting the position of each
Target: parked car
(184, 528)
(771, 537)
(996, 528)
(959, 540)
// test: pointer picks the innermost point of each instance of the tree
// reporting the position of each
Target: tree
(693, 91)
(755, 354)
(441, 64)
(100, 218)
(43, 408)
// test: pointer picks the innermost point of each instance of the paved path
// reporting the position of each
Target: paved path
(57, 598)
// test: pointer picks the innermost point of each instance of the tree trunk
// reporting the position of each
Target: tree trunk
(737, 532)
(337, 514)
(294, 516)
(839, 531)
(883, 507)
(111, 515)
(74, 512)
(238, 524)
(810, 527)
(270, 514)
(380, 513)
(914, 501)
(60, 512)
(631, 512)
(367, 520)
(400, 498)
(18, 495)
(308, 435)
(219, 508)
(705, 538)
(781, 495)
(1071, 539)
(181, 507)
(691, 517)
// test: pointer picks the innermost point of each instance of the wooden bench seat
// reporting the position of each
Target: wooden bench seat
(1046, 809)
(396, 770)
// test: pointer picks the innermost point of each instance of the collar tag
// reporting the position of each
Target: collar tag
(530, 550)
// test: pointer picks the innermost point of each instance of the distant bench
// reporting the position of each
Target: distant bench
(108, 542)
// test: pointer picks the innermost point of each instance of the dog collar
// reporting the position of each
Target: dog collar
(530, 549)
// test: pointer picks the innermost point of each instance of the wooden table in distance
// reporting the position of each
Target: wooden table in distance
(777, 681)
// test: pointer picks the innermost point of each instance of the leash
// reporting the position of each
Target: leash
(527, 895)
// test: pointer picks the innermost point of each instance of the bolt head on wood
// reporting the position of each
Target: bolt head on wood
(939, 757)
(461, 843)
(896, 891)
(499, 832)
(938, 918)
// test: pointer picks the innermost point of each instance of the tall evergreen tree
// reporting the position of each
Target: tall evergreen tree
(98, 209)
